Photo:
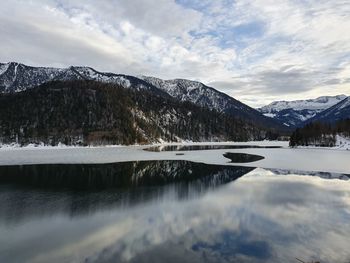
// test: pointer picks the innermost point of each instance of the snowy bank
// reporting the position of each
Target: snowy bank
(342, 143)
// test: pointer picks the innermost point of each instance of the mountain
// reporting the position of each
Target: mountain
(91, 112)
(200, 94)
(15, 77)
(295, 113)
(339, 111)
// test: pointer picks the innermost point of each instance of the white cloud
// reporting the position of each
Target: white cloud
(277, 49)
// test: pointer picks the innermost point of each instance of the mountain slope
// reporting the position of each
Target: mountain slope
(89, 112)
(15, 77)
(339, 111)
(202, 95)
(295, 113)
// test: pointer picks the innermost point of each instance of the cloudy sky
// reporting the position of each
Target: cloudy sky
(254, 50)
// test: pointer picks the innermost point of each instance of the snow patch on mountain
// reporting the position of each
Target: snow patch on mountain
(3, 67)
(270, 115)
(91, 74)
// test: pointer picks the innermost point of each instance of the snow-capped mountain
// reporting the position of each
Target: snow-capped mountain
(335, 113)
(295, 113)
(15, 77)
(200, 94)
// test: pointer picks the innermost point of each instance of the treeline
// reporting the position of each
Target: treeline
(88, 112)
(320, 134)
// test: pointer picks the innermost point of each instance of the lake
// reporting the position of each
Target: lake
(171, 211)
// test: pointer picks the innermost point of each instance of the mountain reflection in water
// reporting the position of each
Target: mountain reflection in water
(34, 190)
(262, 216)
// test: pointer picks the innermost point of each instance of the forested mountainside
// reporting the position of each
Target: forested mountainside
(320, 134)
(16, 77)
(296, 113)
(200, 94)
(90, 112)
(338, 112)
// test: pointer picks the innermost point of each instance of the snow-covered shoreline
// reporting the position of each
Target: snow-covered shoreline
(14, 146)
(342, 143)
(302, 159)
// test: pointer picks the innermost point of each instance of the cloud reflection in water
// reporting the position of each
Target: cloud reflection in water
(260, 217)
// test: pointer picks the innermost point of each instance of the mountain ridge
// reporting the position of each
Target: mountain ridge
(295, 113)
(337, 112)
(203, 95)
(19, 77)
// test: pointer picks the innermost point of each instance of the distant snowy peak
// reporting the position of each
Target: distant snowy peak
(295, 113)
(320, 103)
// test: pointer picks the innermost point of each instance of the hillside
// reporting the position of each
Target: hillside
(90, 112)
(200, 94)
(322, 134)
(339, 111)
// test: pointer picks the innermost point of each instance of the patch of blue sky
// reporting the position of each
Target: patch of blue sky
(202, 6)
(237, 37)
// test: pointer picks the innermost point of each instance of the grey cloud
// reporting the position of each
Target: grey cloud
(270, 82)
(295, 80)
(24, 43)
(164, 18)
(282, 81)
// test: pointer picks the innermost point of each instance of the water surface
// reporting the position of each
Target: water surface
(171, 211)
(243, 157)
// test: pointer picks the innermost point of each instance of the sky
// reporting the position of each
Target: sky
(257, 51)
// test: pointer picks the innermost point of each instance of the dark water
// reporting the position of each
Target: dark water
(171, 148)
(79, 189)
(171, 211)
(243, 157)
